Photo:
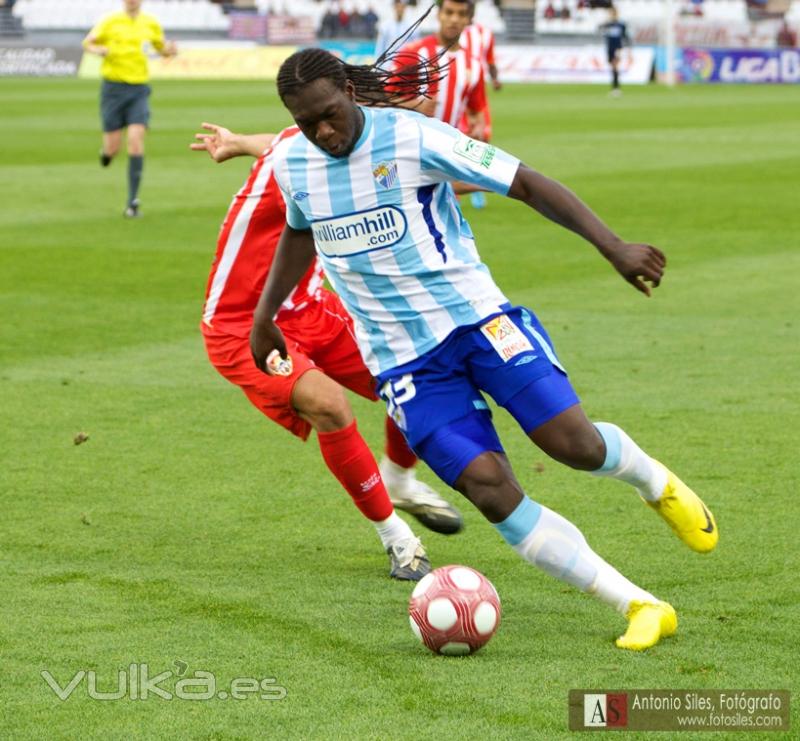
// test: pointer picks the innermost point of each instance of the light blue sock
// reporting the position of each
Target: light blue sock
(626, 461)
(516, 527)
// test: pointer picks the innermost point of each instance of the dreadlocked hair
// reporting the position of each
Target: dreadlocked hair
(306, 66)
(393, 78)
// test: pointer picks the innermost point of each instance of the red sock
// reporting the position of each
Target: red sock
(352, 462)
(397, 450)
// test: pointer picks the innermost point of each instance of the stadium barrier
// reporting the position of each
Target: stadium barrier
(578, 64)
(205, 62)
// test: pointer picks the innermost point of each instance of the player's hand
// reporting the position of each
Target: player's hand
(497, 85)
(221, 144)
(170, 49)
(264, 338)
(639, 264)
(477, 130)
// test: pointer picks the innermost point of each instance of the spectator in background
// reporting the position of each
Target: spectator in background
(370, 22)
(330, 22)
(550, 12)
(564, 13)
(343, 22)
(394, 29)
(357, 27)
(786, 37)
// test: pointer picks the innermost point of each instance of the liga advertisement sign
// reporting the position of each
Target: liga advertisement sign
(738, 66)
(579, 64)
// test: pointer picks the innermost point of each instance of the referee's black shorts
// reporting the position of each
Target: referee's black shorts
(122, 104)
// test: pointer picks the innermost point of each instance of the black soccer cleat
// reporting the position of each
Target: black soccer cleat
(132, 210)
(105, 159)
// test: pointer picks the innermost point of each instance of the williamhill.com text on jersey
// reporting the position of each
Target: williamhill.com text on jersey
(360, 232)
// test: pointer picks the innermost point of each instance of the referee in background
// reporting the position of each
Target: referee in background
(120, 39)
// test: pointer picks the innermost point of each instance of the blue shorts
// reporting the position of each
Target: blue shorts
(508, 356)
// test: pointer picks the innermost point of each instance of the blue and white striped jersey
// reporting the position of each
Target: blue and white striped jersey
(389, 232)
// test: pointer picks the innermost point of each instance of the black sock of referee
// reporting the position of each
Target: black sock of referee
(135, 167)
(614, 79)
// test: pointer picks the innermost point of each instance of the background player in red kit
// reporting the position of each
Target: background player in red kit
(461, 94)
(324, 359)
(478, 41)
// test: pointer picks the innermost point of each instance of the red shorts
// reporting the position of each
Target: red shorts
(319, 336)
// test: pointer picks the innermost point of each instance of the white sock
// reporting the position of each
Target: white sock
(395, 477)
(557, 547)
(392, 530)
(626, 461)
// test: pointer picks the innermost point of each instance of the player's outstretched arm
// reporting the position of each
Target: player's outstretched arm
(639, 264)
(293, 256)
(91, 45)
(495, 78)
(222, 144)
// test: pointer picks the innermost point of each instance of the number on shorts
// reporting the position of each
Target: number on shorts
(397, 392)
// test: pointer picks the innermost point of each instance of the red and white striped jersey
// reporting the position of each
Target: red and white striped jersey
(461, 89)
(478, 40)
(245, 250)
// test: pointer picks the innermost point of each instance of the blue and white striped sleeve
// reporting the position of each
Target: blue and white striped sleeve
(295, 218)
(447, 154)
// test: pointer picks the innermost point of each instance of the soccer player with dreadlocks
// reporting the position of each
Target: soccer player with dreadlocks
(367, 190)
(308, 393)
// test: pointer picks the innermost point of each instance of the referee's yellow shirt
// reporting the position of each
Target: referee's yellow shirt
(126, 39)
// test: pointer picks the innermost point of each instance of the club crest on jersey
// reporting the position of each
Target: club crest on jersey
(301, 195)
(480, 153)
(386, 173)
(506, 338)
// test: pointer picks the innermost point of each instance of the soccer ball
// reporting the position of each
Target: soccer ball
(454, 610)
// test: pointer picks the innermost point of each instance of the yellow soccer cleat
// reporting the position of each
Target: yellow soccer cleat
(648, 623)
(686, 514)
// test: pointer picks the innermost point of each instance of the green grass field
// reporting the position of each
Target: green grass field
(188, 528)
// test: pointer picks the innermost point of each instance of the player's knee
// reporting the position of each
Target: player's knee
(587, 451)
(582, 449)
(322, 402)
(136, 140)
(489, 484)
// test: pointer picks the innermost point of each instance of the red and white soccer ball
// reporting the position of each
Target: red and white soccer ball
(454, 610)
